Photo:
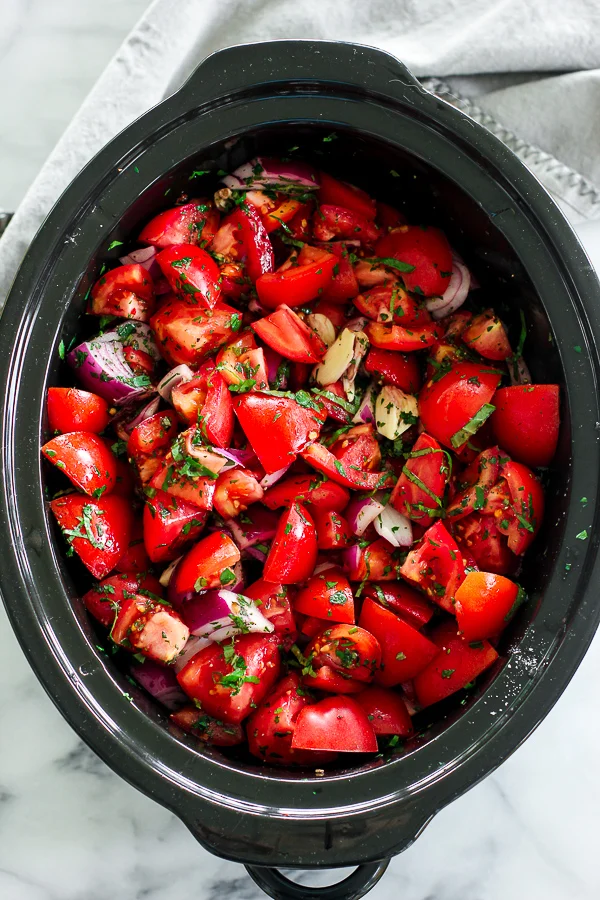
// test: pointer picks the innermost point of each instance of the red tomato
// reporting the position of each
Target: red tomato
(348, 649)
(404, 651)
(419, 492)
(343, 285)
(386, 711)
(327, 596)
(235, 491)
(427, 249)
(85, 459)
(170, 524)
(188, 335)
(99, 531)
(436, 565)
(127, 291)
(487, 336)
(248, 241)
(287, 334)
(154, 433)
(526, 509)
(335, 401)
(395, 337)
(389, 217)
(293, 553)
(339, 193)
(526, 422)
(234, 284)
(231, 679)
(480, 537)
(70, 409)
(333, 531)
(456, 664)
(313, 489)
(391, 304)
(190, 223)
(150, 628)
(485, 603)
(278, 428)
(135, 558)
(124, 484)
(206, 400)
(207, 565)
(198, 490)
(370, 273)
(297, 283)
(448, 404)
(281, 214)
(358, 447)
(104, 599)
(374, 562)
(475, 483)
(336, 723)
(334, 311)
(394, 368)
(323, 460)
(407, 603)
(331, 680)
(336, 222)
(275, 606)
(230, 358)
(205, 728)
(192, 274)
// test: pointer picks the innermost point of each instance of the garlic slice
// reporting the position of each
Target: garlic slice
(323, 326)
(395, 412)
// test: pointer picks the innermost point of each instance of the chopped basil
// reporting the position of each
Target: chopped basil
(472, 426)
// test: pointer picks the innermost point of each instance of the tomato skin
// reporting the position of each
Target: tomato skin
(255, 246)
(526, 422)
(395, 337)
(299, 284)
(127, 291)
(190, 223)
(293, 553)
(327, 596)
(205, 728)
(187, 334)
(432, 470)
(278, 428)
(135, 558)
(321, 459)
(436, 565)
(85, 459)
(427, 249)
(486, 335)
(150, 628)
(332, 310)
(527, 505)
(199, 491)
(331, 680)
(484, 604)
(386, 711)
(201, 677)
(112, 513)
(70, 409)
(104, 599)
(375, 562)
(336, 222)
(325, 494)
(395, 368)
(235, 490)
(343, 285)
(480, 537)
(192, 274)
(275, 605)
(404, 651)
(288, 335)
(446, 405)
(389, 217)
(390, 304)
(336, 723)
(170, 524)
(202, 566)
(455, 665)
(478, 479)
(404, 601)
(333, 531)
(333, 192)
(206, 400)
(347, 649)
(152, 434)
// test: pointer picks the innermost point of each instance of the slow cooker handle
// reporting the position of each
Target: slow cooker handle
(243, 68)
(353, 887)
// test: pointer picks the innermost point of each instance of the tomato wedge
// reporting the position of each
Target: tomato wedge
(343, 285)
(395, 337)
(207, 565)
(475, 483)
(327, 596)
(170, 524)
(486, 334)
(526, 508)
(457, 664)
(275, 605)
(192, 274)
(248, 241)
(337, 724)
(394, 368)
(404, 601)
(152, 435)
(373, 562)
(190, 223)
(485, 603)
(189, 334)
(526, 422)
(105, 598)
(386, 711)
(150, 628)
(235, 490)
(419, 492)
(98, 531)
(320, 458)
(85, 459)
(127, 291)
(425, 249)
(206, 400)
(288, 335)
(208, 730)
(348, 649)
(70, 409)
(336, 222)
(389, 303)
(314, 489)
(297, 283)
(340, 193)
(333, 531)
(404, 651)
(293, 552)
(436, 565)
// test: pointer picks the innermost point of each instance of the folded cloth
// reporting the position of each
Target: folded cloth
(502, 61)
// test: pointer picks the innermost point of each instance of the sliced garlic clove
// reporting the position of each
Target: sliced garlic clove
(395, 412)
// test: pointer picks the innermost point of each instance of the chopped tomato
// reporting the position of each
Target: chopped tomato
(373, 562)
(207, 565)
(194, 721)
(419, 492)
(151, 628)
(170, 524)
(293, 552)
(391, 304)
(327, 596)
(188, 335)
(323, 460)
(396, 337)
(282, 214)
(298, 282)
(275, 605)
(386, 711)
(243, 236)
(337, 724)
(333, 310)
(190, 223)
(85, 459)
(104, 599)
(479, 536)
(333, 531)
(436, 565)
(197, 489)
(206, 400)
(425, 249)
(526, 422)
(127, 291)
(235, 491)
(343, 285)
(313, 489)
(336, 222)
(526, 508)
(192, 274)
(154, 433)
(389, 217)
(486, 334)
(408, 604)
(405, 651)
(395, 368)
(286, 333)
(347, 649)
(135, 558)
(475, 483)
(485, 603)
(99, 531)
(339, 193)
(334, 681)
(70, 409)
(457, 664)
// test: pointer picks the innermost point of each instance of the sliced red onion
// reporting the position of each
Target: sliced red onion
(101, 367)
(455, 294)
(211, 460)
(161, 286)
(219, 615)
(166, 575)
(260, 555)
(519, 372)
(357, 324)
(124, 424)
(362, 511)
(366, 410)
(351, 558)
(394, 527)
(262, 172)
(173, 379)
(160, 682)
(269, 480)
(257, 525)
(242, 458)
(145, 257)
(322, 567)
(277, 369)
(193, 646)
(255, 307)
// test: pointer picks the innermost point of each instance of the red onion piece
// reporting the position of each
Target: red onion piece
(361, 512)
(145, 257)
(261, 527)
(173, 379)
(455, 294)
(123, 423)
(357, 324)
(262, 172)
(260, 555)
(255, 307)
(165, 578)
(160, 682)
(519, 372)
(274, 360)
(322, 567)
(193, 646)
(219, 615)
(101, 367)
(366, 410)
(351, 558)
(242, 458)
(394, 527)
(269, 480)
